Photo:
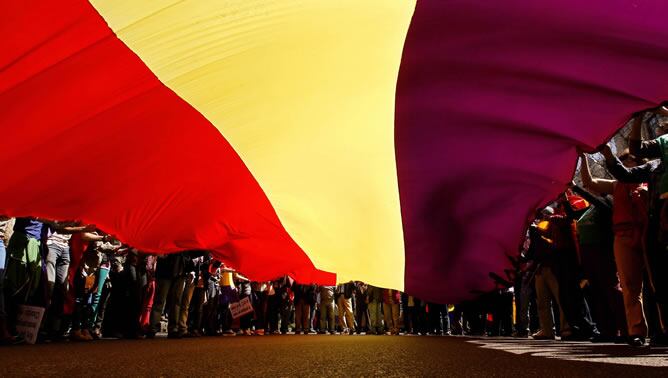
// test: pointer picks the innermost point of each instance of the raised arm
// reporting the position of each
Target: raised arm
(72, 229)
(639, 174)
(91, 236)
(648, 149)
(601, 186)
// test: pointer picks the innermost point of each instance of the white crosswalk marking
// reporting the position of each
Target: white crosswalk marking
(579, 351)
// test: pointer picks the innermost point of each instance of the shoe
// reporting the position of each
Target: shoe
(311, 332)
(298, 332)
(333, 332)
(598, 338)
(540, 335)
(575, 337)
(96, 334)
(660, 340)
(10, 339)
(247, 332)
(229, 332)
(86, 335)
(321, 332)
(636, 341)
(620, 340)
(259, 332)
(134, 336)
(277, 332)
(76, 335)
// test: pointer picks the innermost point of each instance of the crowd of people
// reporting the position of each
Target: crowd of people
(93, 286)
(596, 258)
(591, 268)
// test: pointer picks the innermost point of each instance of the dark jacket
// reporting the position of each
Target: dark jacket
(306, 292)
(375, 294)
(170, 266)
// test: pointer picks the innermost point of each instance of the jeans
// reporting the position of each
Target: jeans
(82, 315)
(3, 256)
(98, 311)
(172, 288)
(212, 304)
(57, 264)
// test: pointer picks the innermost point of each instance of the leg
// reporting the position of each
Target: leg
(446, 320)
(331, 316)
(4, 327)
(550, 280)
(100, 298)
(387, 316)
(348, 313)
(189, 289)
(160, 300)
(147, 305)
(375, 313)
(341, 312)
(51, 261)
(628, 256)
(544, 305)
(176, 297)
(300, 323)
(323, 318)
(396, 316)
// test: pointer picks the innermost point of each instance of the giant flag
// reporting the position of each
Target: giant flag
(397, 142)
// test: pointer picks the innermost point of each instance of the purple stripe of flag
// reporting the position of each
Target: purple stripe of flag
(493, 98)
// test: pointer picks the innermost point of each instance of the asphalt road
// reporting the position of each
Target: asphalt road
(281, 356)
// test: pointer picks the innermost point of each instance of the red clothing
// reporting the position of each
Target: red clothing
(630, 208)
(77, 249)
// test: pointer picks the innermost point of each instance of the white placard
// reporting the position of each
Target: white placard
(241, 308)
(28, 321)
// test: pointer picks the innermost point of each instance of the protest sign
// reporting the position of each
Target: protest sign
(28, 321)
(241, 308)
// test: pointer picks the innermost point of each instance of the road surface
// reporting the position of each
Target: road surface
(323, 355)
